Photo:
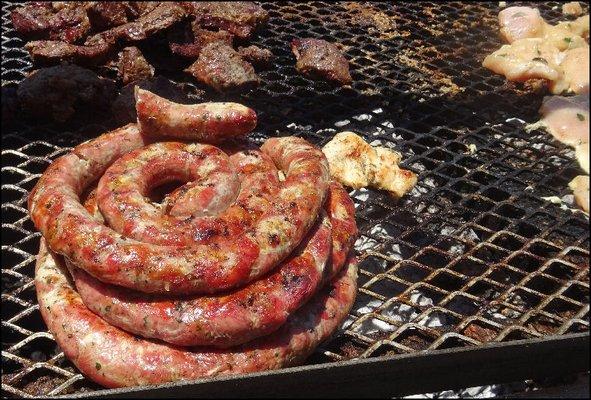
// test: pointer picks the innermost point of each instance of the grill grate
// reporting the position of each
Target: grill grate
(473, 254)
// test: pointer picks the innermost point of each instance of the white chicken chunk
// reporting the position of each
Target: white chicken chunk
(526, 59)
(520, 23)
(572, 8)
(575, 67)
(580, 188)
(355, 163)
(567, 119)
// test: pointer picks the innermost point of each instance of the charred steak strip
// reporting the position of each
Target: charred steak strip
(161, 17)
(40, 21)
(114, 358)
(51, 52)
(222, 68)
(240, 18)
(107, 14)
(319, 58)
(256, 56)
(132, 66)
(201, 38)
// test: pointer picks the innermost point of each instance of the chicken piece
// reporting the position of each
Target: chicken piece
(132, 66)
(526, 59)
(582, 154)
(565, 35)
(580, 26)
(580, 188)
(572, 8)
(319, 58)
(520, 23)
(356, 164)
(566, 118)
(222, 68)
(576, 70)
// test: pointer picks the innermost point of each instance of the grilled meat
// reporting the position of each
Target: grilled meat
(580, 188)
(567, 119)
(41, 21)
(222, 68)
(51, 52)
(132, 66)
(356, 164)
(58, 92)
(319, 58)
(240, 18)
(124, 105)
(201, 38)
(107, 14)
(160, 18)
(572, 8)
(520, 23)
(255, 55)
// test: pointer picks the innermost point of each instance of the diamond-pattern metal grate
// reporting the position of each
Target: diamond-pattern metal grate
(473, 254)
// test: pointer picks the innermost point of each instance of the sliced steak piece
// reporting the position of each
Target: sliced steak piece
(133, 66)
(222, 68)
(160, 18)
(240, 18)
(256, 56)
(201, 38)
(321, 59)
(52, 52)
(123, 107)
(107, 14)
(136, 9)
(41, 21)
(59, 92)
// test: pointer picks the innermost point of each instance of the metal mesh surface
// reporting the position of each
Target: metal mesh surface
(473, 254)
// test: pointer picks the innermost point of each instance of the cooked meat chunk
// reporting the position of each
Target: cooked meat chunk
(576, 70)
(525, 22)
(123, 107)
(161, 17)
(41, 21)
(572, 8)
(201, 38)
(107, 14)
(132, 66)
(520, 23)
(256, 56)
(240, 18)
(136, 9)
(9, 105)
(356, 164)
(567, 119)
(59, 92)
(222, 68)
(527, 59)
(51, 52)
(319, 58)
(580, 188)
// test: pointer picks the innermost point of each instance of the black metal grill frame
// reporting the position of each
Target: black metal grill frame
(472, 266)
